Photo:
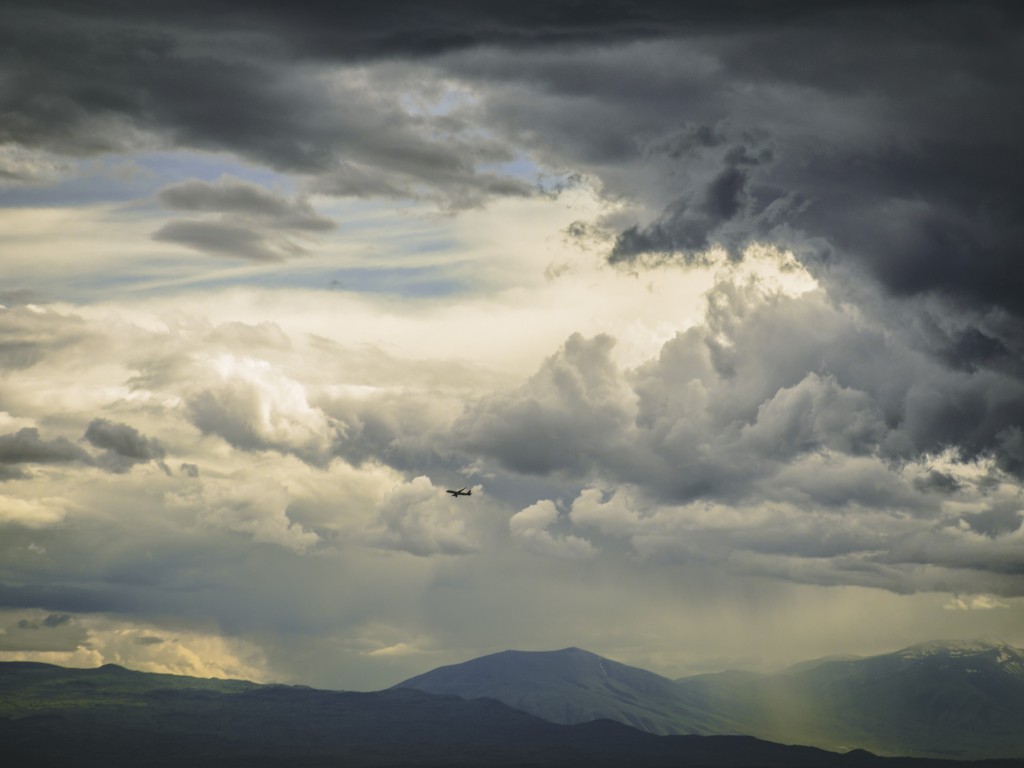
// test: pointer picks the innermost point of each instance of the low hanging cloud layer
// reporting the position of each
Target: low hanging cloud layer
(245, 454)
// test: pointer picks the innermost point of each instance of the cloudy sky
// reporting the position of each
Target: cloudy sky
(718, 307)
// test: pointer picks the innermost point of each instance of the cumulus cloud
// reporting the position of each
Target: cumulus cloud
(975, 603)
(255, 406)
(418, 518)
(879, 546)
(86, 640)
(771, 376)
(572, 411)
(531, 527)
(257, 508)
(32, 513)
(30, 332)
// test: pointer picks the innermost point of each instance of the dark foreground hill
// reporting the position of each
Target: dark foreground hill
(113, 717)
(944, 700)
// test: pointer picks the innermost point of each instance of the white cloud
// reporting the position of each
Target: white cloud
(19, 165)
(530, 527)
(33, 512)
(95, 640)
(254, 405)
(975, 603)
(419, 518)
(254, 504)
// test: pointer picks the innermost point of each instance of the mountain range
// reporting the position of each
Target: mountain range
(952, 700)
(115, 718)
(544, 709)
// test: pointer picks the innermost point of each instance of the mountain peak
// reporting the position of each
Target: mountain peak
(569, 685)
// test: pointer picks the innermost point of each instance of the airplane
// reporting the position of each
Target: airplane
(461, 492)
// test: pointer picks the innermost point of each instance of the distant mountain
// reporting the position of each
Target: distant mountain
(955, 700)
(113, 717)
(937, 699)
(575, 686)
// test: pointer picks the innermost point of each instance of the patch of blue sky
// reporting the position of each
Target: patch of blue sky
(521, 166)
(354, 215)
(525, 168)
(422, 282)
(117, 179)
(412, 282)
(147, 278)
(210, 166)
(392, 230)
(437, 102)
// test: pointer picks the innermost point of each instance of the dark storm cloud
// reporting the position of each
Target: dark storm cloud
(26, 447)
(910, 109)
(71, 599)
(877, 136)
(911, 180)
(239, 79)
(880, 144)
(407, 28)
(248, 78)
(999, 520)
(123, 446)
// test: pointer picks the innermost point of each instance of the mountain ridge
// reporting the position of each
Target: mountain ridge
(115, 718)
(937, 699)
(536, 682)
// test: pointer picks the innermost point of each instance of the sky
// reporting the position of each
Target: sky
(717, 307)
